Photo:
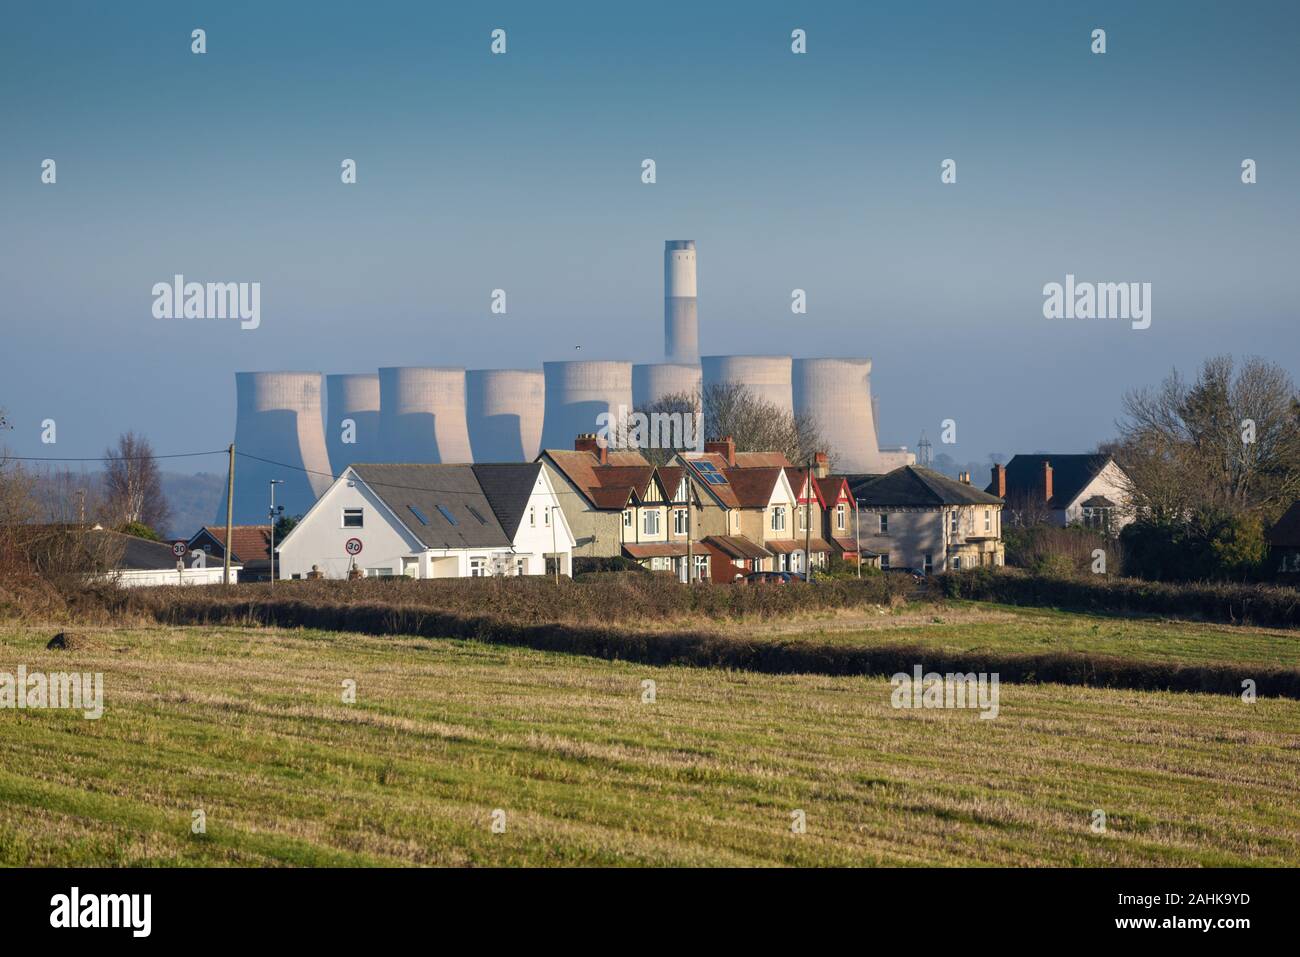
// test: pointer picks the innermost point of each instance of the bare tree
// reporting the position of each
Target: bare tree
(757, 425)
(133, 483)
(1229, 441)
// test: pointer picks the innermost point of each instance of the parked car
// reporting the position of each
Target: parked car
(918, 576)
(769, 578)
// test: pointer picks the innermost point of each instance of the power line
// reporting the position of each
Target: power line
(105, 458)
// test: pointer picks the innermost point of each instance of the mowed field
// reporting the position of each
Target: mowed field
(248, 726)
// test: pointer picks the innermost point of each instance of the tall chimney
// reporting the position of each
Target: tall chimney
(726, 447)
(681, 321)
(587, 443)
(1047, 481)
(821, 465)
(1000, 481)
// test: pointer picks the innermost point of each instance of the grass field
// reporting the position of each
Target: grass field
(981, 626)
(248, 726)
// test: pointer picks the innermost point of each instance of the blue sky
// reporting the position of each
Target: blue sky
(522, 172)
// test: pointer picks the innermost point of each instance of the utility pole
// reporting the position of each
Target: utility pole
(690, 521)
(230, 514)
(807, 525)
(857, 533)
(274, 483)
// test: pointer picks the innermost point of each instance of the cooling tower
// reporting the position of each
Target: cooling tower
(279, 418)
(352, 412)
(422, 415)
(836, 394)
(768, 377)
(577, 393)
(652, 381)
(681, 321)
(504, 408)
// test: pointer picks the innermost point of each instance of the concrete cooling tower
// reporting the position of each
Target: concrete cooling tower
(422, 415)
(578, 392)
(279, 418)
(652, 381)
(505, 409)
(836, 394)
(766, 376)
(352, 399)
(681, 321)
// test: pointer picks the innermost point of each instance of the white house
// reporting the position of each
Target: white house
(1089, 490)
(432, 521)
(140, 563)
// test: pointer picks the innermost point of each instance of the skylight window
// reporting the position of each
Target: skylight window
(446, 513)
(424, 519)
(473, 511)
(709, 472)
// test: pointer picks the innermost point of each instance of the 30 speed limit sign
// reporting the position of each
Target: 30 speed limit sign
(353, 546)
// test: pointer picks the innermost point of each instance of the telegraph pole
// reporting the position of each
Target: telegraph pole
(274, 483)
(857, 533)
(807, 526)
(230, 514)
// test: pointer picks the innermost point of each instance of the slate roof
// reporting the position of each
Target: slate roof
(915, 487)
(1070, 473)
(140, 554)
(508, 487)
(455, 487)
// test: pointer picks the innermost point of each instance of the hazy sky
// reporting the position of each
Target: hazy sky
(522, 172)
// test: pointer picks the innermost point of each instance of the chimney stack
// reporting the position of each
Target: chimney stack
(821, 465)
(1047, 481)
(726, 447)
(587, 442)
(1000, 481)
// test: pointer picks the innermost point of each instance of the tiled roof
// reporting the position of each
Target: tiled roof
(913, 486)
(508, 487)
(605, 486)
(1070, 473)
(654, 549)
(249, 543)
(737, 546)
(789, 545)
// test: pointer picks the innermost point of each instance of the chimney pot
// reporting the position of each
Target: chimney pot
(726, 447)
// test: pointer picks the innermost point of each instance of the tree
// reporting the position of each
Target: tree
(1228, 441)
(757, 425)
(133, 483)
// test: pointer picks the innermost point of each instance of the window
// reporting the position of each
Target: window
(477, 566)
(884, 561)
(379, 573)
(532, 516)
(952, 522)
(546, 517)
(803, 519)
(782, 562)
(521, 566)
(778, 519)
(701, 567)
(928, 565)
(473, 511)
(627, 518)
(650, 522)
(841, 513)
(353, 518)
(1098, 519)
(446, 513)
(988, 519)
(884, 523)
(419, 514)
(680, 524)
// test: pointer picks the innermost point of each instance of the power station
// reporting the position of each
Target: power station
(439, 414)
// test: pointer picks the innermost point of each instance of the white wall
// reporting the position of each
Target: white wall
(535, 542)
(142, 578)
(320, 537)
(1108, 482)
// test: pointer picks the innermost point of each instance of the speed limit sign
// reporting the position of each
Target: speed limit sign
(353, 546)
(178, 549)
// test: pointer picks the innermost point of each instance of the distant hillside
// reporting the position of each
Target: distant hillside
(194, 500)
